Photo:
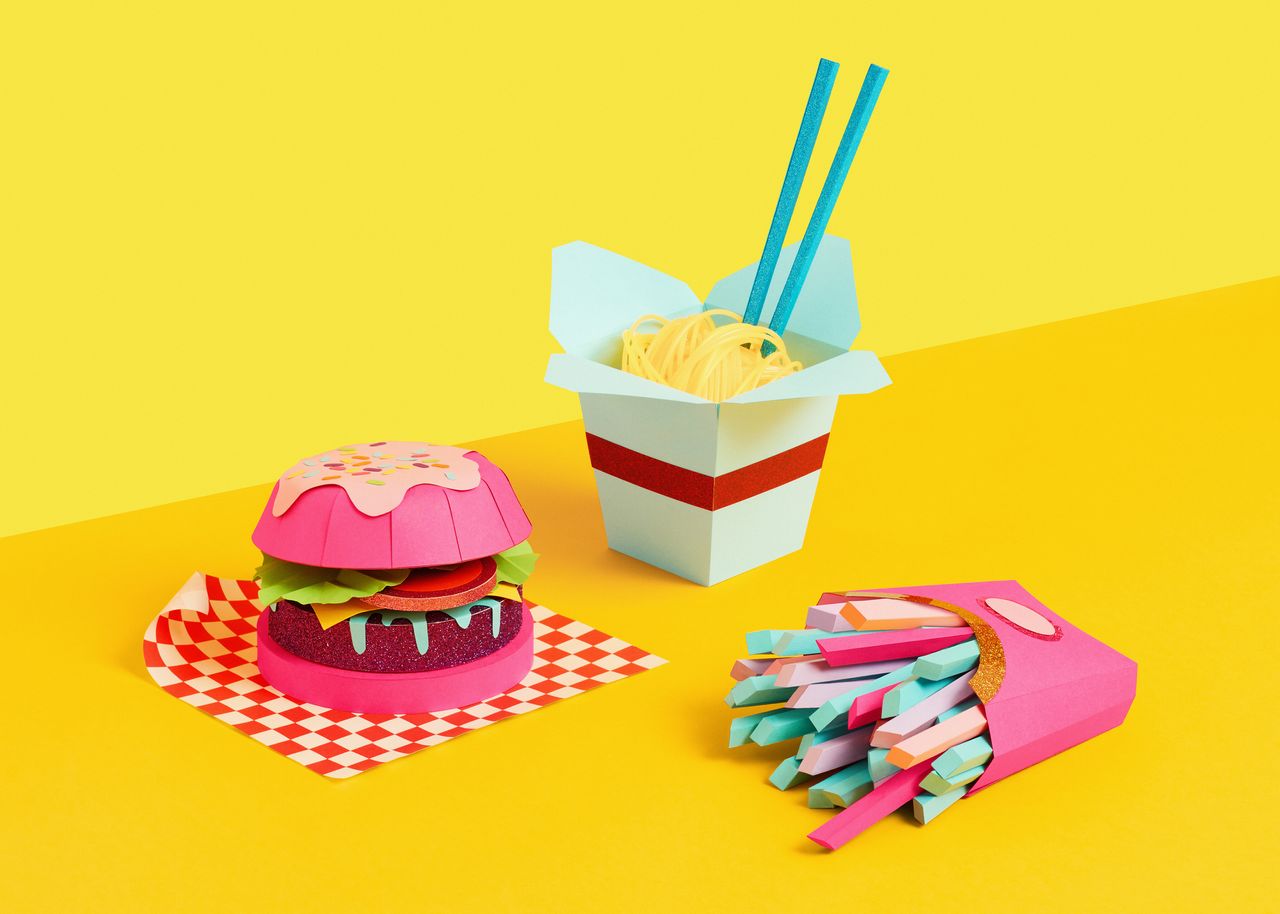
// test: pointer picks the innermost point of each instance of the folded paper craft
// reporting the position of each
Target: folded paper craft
(202, 648)
(1037, 686)
(705, 490)
(325, 527)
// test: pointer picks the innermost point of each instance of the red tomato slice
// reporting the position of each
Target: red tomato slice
(439, 580)
(439, 588)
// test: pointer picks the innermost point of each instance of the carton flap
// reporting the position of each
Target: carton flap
(596, 294)
(573, 372)
(856, 372)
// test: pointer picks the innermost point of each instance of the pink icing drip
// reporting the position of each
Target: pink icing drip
(376, 476)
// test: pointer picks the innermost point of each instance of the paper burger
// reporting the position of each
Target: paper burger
(923, 695)
(393, 574)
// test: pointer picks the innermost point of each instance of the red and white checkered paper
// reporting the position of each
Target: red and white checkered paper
(202, 648)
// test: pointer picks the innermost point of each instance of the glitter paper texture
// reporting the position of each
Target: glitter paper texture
(986, 680)
(391, 648)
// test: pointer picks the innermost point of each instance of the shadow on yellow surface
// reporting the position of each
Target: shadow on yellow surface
(1122, 466)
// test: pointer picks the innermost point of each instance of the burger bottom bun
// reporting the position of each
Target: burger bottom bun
(395, 693)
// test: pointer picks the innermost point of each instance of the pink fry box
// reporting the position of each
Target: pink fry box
(705, 490)
(1045, 685)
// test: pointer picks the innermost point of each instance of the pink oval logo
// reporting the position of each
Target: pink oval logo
(1023, 618)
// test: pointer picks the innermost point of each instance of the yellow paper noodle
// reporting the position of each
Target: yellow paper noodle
(697, 355)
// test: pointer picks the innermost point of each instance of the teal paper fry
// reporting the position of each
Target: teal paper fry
(926, 807)
(757, 690)
(958, 709)
(878, 764)
(740, 728)
(849, 142)
(810, 124)
(787, 774)
(777, 728)
(843, 787)
(835, 709)
(910, 693)
(950, 661)
(937, 785)
(973, 752)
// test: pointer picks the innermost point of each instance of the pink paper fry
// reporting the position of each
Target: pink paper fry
(847, 824)
(891, 645)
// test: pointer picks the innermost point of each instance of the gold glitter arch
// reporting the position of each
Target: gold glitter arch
(987, 679)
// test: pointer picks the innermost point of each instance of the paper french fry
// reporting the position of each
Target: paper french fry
(811, 739)
(745, 669)
(815, 695)
(846, 825)
(841, 788)
(959, 709)
(818, 670)
(1012, 686)
(806, 642)
(788, 774)
(777, 665)
(756, 690)
(969, 754)
(836, 753)
(740, 728)
(785, 725)
(948, 662)
(927, 806)
(878, 765)
(827, 617)
(892, 615)
(935, 740)
(894, 645)
(910, 693)
(837, 708)
(938, 785)
(922, 713)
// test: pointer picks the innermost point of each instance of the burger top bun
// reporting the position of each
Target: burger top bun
(391, 504)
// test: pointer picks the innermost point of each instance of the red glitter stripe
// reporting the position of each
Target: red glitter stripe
(698, 489)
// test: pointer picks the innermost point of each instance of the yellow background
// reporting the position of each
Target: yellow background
(306, 223)
(1122, 466)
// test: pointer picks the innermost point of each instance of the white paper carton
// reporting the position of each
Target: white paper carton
(705, 490)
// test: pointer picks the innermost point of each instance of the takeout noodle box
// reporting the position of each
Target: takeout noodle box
(1044, 684)
(705, 490)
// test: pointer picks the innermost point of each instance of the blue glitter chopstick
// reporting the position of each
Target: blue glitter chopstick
(848, 148)
(810, 124)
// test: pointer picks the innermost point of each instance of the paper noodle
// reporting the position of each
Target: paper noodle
(701, 357)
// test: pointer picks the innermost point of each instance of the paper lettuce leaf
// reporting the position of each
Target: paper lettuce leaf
(516, 564)
(280, 580)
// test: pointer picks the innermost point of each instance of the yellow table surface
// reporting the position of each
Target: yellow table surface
(1121, 466)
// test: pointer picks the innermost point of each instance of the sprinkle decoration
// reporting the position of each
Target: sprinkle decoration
(401, 466)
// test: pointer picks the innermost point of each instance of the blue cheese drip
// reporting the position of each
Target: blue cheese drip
(462, 615)
(421, 637)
